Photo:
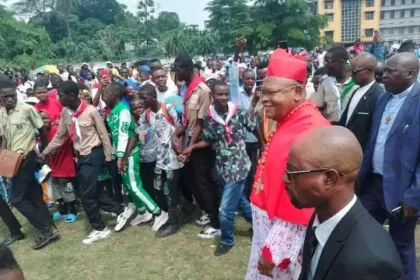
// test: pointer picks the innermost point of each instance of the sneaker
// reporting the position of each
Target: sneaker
(160, 221)
(123, 218)
(167, 230)
(210, 233)
(97, 235)
(45, 238)
(203, 220)
(141, 218)
(222, 250)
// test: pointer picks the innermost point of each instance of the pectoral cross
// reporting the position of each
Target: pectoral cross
(388, 119)
(258, 186)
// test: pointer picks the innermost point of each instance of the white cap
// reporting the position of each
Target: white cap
(32, 99)
(44, 173)
(108, 62)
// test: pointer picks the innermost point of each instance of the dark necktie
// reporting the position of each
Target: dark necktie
(313, 242)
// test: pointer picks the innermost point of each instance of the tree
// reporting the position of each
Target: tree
(167, 21)
(65, 8)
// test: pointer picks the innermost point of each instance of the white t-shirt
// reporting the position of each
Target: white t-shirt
(172, 90)
(320, 59)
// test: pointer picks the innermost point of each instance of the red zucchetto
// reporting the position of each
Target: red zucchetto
(283, 65)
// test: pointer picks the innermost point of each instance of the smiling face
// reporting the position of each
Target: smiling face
(137, 107)
(280, 96)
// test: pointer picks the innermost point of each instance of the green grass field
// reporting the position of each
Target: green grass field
(132, 254)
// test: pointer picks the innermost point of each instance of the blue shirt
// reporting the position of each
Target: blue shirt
(378, 50)
(390, 113)
(243, 100)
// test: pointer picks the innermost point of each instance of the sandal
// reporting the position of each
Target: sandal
(71, 218)
(57, 217)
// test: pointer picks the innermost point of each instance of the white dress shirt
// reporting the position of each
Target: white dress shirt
(357, 96)
(323, 232)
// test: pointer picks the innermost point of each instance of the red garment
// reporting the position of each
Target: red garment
(273, 197)
(53, 94)
(75, 115)
(52, 107)
(194, 84)
(296, 68)
(61, 161)
(358, 48)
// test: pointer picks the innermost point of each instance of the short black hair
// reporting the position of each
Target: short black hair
(319, 71)
(407, 46)
(55, 77)
(339, 52)
(83, 86)
(40, 84)
(154, 60)
(218, 83)
(248, 71)
(262, 65)
(7, 260)
(149, 89)
(184, 62)
(69, 87)
(6, 82)
(117, 88)
(197, 66)
(156, 69)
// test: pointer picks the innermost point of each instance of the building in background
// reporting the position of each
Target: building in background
(400, 21)
(349, 20)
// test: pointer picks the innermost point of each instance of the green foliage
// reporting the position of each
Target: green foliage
(86, 30)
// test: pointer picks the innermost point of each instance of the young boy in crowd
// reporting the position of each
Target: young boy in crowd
(9, 268)
(224, 126)
(63, 173)
(163, 120)
(47, 104)
(122, 128)
(148, 154)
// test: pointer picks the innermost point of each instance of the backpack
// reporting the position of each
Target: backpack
(164, 112)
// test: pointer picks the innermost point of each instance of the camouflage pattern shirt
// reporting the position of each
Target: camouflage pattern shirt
(232, 161)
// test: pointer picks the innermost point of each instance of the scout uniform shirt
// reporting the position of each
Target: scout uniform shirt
(18, 126)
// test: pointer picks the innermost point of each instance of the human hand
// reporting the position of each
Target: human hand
(240, 44)
(265, 268)
(42, 157)
(409, 213)
(182, 158)
(176, 143)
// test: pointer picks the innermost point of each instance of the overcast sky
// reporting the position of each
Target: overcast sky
(189, 11)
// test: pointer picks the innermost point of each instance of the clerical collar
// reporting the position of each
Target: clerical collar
(404, 93)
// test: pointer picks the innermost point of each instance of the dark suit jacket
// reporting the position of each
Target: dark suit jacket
(360, 121)
(358, 248)
(401, 179)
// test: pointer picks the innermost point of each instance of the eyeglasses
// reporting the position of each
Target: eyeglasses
(355, 72)
(290, 173)
(270, 94)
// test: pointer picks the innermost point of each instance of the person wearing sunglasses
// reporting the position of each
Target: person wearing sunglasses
(342, 241)
(335, 91)
(358, 114)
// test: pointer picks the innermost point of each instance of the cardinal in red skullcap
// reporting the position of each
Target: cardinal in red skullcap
(279, 228)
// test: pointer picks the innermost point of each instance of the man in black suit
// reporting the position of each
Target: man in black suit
(360, 109)
(342, 241)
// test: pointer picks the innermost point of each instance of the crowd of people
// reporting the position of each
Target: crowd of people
(316, 153)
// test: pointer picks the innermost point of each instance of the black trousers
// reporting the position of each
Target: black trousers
(26, 195)
(116, 182)
(252, 150)
(198, 176)
(94, 196)
(166, 184)
(9, 219)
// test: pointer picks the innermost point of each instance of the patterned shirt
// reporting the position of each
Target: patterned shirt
(232, 161)
(166, 157)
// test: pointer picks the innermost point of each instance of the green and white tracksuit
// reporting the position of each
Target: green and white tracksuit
(122, 128)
